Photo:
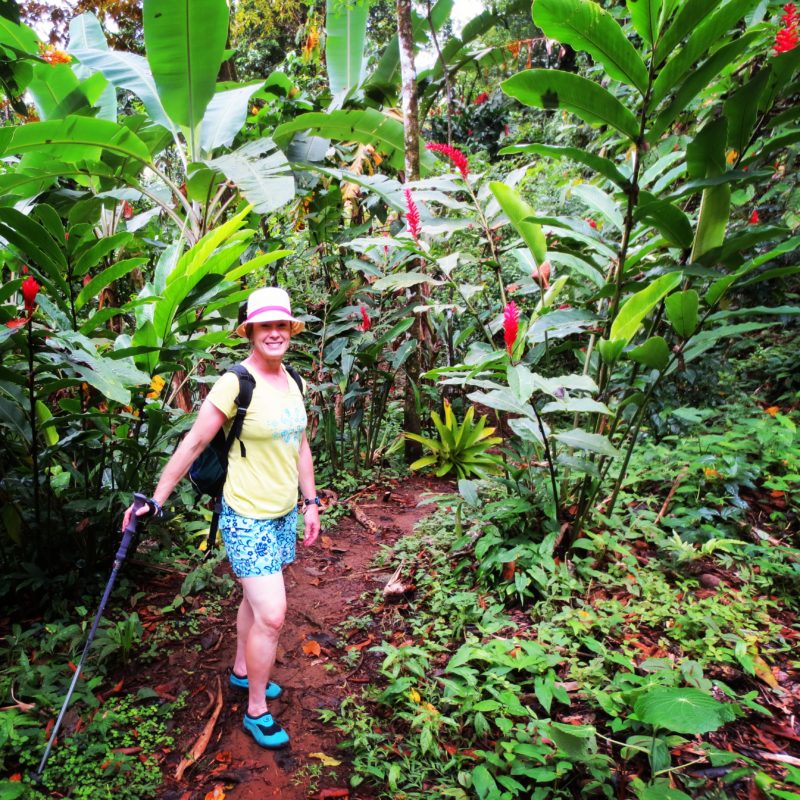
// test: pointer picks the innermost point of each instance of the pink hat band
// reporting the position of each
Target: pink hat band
(268, 308)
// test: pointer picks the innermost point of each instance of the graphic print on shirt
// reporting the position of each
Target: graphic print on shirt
(290, 425)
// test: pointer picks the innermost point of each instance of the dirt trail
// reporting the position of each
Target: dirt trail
(323, 589)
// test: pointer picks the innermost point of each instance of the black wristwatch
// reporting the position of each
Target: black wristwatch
(314, 501)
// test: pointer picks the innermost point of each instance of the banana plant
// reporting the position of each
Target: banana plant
(176, 83)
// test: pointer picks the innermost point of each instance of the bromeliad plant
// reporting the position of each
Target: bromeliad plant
(462, 447)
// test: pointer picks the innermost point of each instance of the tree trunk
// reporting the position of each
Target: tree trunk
(411, 420)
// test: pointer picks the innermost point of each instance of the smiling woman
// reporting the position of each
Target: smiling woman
(259, 504)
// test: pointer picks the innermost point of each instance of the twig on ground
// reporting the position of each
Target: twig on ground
(362, 519)
(202, 741)
(676, 483)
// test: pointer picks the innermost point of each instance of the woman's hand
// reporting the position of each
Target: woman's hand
(311, 518)
(151, 508)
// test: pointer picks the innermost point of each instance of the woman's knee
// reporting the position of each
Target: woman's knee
(270, 619)
(267, 598)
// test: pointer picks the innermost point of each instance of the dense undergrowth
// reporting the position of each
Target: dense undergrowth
(659, 658)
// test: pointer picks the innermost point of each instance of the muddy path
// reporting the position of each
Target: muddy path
(324, 587)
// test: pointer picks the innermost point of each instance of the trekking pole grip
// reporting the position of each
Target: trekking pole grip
(139, 500)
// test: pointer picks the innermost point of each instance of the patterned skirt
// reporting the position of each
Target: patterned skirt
(258, 546)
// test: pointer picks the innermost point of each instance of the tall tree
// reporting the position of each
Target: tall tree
(409, 100)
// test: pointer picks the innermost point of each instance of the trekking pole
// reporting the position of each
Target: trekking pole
(139, 500)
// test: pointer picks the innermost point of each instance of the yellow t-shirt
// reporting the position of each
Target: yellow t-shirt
(263, 485)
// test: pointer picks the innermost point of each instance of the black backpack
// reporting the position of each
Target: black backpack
(210, 469)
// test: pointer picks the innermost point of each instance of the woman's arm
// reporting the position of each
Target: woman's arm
(308, 489)
(209, 420)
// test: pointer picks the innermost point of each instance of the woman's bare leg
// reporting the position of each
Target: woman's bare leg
(266, 597)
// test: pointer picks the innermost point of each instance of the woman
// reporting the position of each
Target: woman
(259, 510)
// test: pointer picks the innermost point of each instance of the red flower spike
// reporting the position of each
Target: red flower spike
(30, 288)
(457, 158)
(366, 322)
(481, 98)
(127, 210)
(592, 224)
(510, 325)
(412, 215)
(787, 37)
(754, 217)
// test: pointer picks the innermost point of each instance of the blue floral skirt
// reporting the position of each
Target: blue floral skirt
(258, 546)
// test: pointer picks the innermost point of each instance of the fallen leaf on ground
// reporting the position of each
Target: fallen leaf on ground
(326, 760)
(326, 542)
(764, 672)
(311, 648)
(216, 793)
(329, 794)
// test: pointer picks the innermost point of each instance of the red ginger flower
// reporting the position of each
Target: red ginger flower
(754, 217)
(481, 98)
(366, 322)
(787, 37)
(510, 325)
(457, 158)
(412, 215)
(30, 288)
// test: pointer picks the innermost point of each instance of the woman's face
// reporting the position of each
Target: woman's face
(270, 340)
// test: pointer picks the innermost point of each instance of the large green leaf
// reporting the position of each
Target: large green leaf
(77, 139)
(552, 89)
(185, 42)
(126, 71)
(705, 36)
(689, 16)
(681, 310)
(646, 18)
(225, 116)
(579, 439)
(517, 210)
(683, 710)
(86, 33)
(261, 173)
(653, 353)
(741, 109)
(639, 305)
(345, 34)
(37, 246)
(20, 37)
(367, 126)
(51, 85)
(698, 80)
(705, 158)
(604, 166)
(585, 25)
(104, 278)
(670, 221)
(719, 287)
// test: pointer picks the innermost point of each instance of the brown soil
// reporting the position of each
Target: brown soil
(323, 588)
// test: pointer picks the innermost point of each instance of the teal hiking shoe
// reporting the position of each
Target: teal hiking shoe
(239, 682)
(266, 731)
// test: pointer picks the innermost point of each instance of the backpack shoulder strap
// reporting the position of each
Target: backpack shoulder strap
(295, 375)
(246, 385)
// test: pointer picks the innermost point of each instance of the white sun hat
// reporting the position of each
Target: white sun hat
(269, 304)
